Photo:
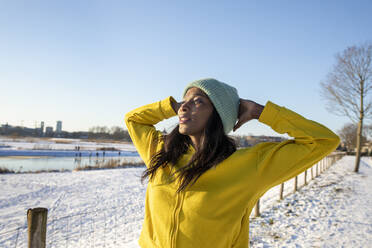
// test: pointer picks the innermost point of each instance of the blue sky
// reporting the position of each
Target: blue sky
(87, 63)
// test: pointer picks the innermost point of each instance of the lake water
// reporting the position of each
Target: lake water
(37, 163)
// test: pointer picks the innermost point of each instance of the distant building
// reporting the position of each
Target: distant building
(59, 127)
(48, 131)
(5, 126)
(42, 128)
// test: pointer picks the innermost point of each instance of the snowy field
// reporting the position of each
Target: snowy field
(105, 209)
(333, 210)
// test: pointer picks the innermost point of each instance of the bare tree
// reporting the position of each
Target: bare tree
(348, 135)
(347, 86)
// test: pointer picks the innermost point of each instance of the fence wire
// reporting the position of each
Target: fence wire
(14, 237)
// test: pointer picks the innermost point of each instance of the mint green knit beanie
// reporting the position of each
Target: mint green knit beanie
(224, 97)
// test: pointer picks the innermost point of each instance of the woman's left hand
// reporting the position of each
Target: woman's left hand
(248, 110)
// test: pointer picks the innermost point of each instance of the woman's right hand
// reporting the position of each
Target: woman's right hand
(176, 105)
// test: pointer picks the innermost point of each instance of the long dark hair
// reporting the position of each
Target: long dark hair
(215, 147)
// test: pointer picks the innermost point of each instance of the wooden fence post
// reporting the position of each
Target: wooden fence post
(325, 164)
(329, 161)
(37, 222)
(312, 174)
(281, 191)
(257, 208)
(295, 184)
(305, 175)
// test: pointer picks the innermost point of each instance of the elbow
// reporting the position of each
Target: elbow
(127, 117)
(333, 143)
(336, 140)
(327, 145)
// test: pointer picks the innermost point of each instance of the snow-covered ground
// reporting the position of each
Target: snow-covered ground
(333, 210)
(105, 209)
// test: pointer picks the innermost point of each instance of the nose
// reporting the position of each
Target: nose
(184, 106)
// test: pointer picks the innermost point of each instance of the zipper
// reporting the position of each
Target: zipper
(179, 201)
(173, 223)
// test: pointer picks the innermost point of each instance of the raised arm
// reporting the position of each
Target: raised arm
(140, 123)
(280, 161)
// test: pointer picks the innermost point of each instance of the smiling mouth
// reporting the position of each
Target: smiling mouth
(184, 120)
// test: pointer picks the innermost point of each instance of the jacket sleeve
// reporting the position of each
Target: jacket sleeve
(280, 161)
(140, 123)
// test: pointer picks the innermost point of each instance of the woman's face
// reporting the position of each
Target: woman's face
(194, 112)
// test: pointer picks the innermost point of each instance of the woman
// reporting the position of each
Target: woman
(202, 189)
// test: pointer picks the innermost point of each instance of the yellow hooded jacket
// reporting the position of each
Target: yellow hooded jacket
(214, 212)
